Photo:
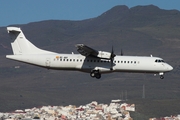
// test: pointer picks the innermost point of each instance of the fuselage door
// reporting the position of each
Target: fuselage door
(48, 62)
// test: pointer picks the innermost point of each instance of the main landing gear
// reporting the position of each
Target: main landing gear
(95, 73)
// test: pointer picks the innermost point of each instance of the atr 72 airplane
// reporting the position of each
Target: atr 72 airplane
(89, 60)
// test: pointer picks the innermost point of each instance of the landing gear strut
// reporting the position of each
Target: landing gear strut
(161, 75)
(95, 73)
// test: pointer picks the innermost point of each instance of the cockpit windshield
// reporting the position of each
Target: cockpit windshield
(159, 60)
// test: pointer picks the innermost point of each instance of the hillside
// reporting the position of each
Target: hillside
(141, 30)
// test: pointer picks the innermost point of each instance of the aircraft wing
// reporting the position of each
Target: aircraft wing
(86, 51)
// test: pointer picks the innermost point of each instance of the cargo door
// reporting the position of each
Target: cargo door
(48, 62)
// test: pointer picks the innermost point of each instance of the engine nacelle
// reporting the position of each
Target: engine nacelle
(105, 55)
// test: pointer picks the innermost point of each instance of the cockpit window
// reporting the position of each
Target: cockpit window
(159, 60)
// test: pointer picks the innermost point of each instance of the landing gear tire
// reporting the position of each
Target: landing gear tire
(161, 76)
(98, 75)
(92, 74)
(95, 73)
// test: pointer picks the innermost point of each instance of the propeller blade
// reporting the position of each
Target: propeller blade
(122, 52)
(112, 58)
(112, 53)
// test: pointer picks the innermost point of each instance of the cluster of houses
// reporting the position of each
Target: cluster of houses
(167, 118)
(92, 111)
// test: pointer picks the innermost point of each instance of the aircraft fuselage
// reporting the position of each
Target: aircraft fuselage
(86, 64)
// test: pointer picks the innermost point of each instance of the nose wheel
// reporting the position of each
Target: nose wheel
(96, 74)
(161, 75)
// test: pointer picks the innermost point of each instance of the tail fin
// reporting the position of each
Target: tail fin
(21, 45)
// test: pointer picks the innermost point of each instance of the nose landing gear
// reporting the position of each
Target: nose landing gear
(161, 75)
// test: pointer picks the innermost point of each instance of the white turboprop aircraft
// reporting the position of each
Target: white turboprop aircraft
(89, 60)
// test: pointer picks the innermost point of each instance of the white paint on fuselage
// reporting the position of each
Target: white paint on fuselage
(86, 64)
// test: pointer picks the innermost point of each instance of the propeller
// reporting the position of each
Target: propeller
(122, 52)
(112, 58)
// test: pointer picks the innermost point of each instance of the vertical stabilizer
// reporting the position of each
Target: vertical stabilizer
(20, 45)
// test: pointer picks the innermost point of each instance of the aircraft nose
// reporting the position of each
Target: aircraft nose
(170, 68)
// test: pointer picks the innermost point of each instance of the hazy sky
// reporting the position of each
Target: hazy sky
(25, 11)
